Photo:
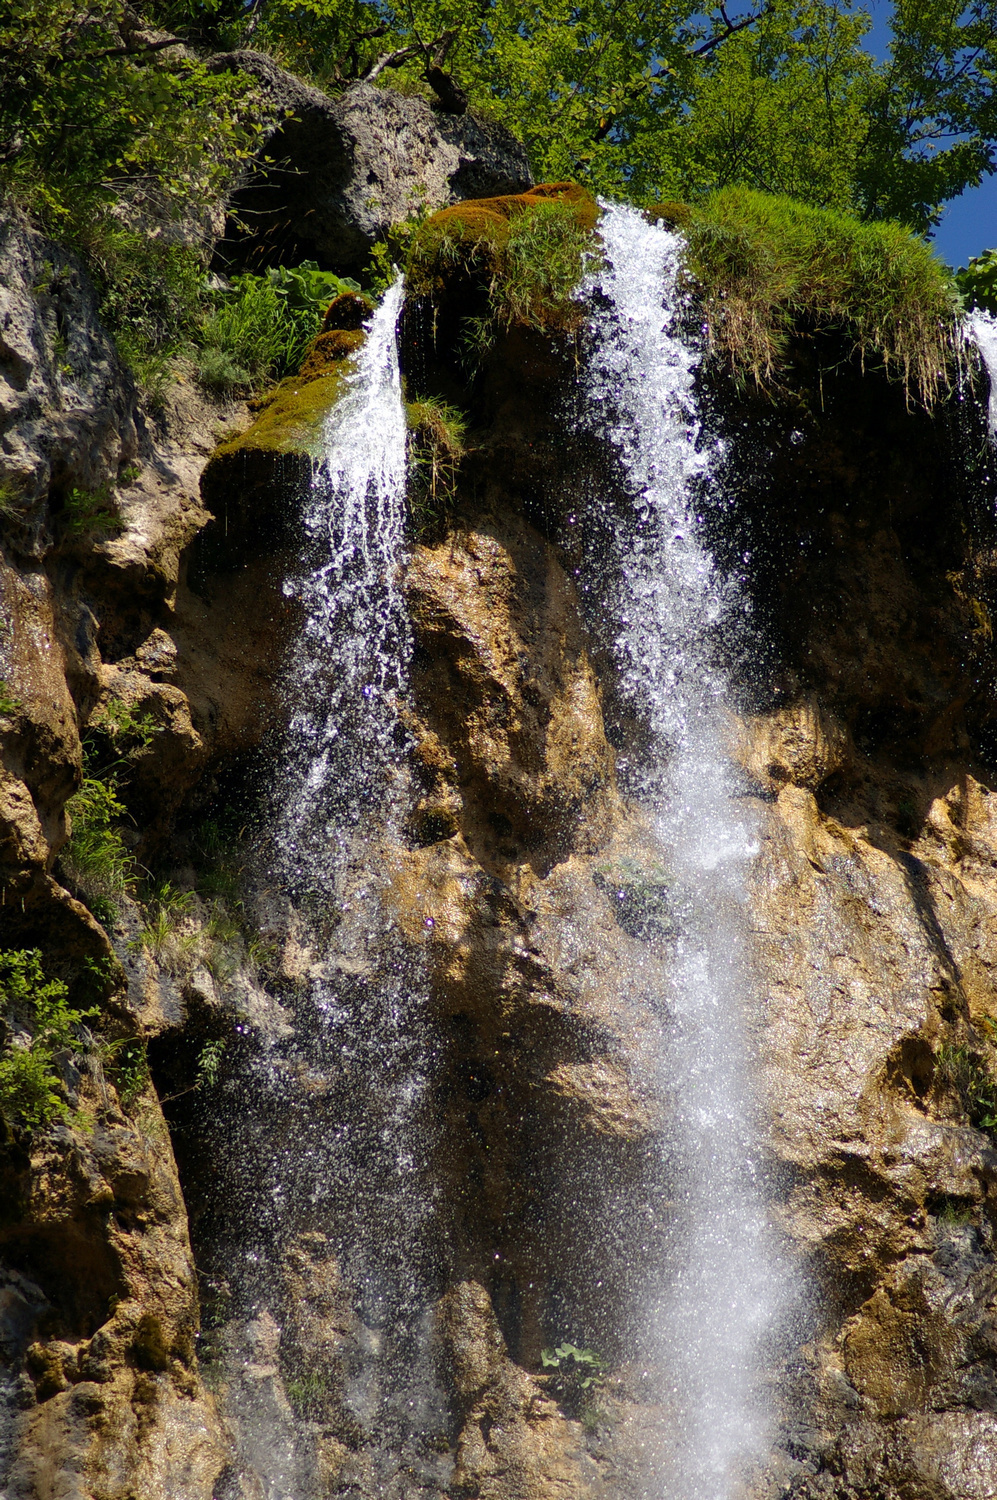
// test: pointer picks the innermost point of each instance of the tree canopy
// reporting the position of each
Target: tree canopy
(647, 99)
(657, 98)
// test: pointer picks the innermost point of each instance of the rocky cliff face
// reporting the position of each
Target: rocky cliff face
(517, 893)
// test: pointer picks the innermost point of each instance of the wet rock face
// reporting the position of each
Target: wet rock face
(874, 904)
(99, 1388)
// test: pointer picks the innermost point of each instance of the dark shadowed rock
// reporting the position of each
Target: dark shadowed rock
(346, 168)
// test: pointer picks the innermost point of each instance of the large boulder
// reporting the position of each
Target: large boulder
(342, 170)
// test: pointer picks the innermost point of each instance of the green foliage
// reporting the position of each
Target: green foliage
(529, 258)
(128, 728)
(95, 858)
(209, 1062)
(574, 1371)
(260, 330)
(977, 282)
(116, 148)
(969, 1072)
(766, 265)
(673, 100)
(10, 706)
(91, 511)
(30, 1088)
(308, 1393)
(10, 495)
(152, 296)
(127, 1064)
(436, 434)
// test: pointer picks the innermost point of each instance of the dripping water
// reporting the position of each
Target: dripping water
(723, 1284)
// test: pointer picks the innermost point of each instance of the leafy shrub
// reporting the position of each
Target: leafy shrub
(261, 329)
(765, 264)
(582, 1367)
(30, 1088)
(127, 1063)
(978, 281)
(91, 511)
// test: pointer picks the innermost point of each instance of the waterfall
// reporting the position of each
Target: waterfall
(724, 1284)
(325, 1181)
(981, 331)
(350, 660)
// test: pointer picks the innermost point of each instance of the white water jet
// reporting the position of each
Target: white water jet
(981, 330)
(352, 654)
(725, 1285)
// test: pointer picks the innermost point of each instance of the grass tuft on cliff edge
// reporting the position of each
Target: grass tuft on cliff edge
(766, 266)
(529, 249)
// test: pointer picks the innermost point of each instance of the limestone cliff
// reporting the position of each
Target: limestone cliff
(519, 887)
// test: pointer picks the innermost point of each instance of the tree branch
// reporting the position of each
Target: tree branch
(390, 60)
(146, 47)
(730, 28)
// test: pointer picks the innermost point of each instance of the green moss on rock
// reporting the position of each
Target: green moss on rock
(291, 421)
(252, 481)
(527, 250)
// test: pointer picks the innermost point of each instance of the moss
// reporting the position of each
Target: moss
(348, 312)
(767, 267)
(325, 352)
(291, 421)
(527, 250)
(252, 481)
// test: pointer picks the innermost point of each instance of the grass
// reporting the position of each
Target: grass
(96, 858)
(260, 330)
(436, 434)
(528, 251)
(970, 1076)
(766, 266)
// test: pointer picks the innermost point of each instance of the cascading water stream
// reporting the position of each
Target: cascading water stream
(981, 331)
(724, 1285)
(352, 653)
(329, 1142)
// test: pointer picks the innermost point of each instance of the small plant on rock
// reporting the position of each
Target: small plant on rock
(435, 449)
(10, 706)
(970, 1075)
(39, 1021)
(91, 511)
(575, 1377)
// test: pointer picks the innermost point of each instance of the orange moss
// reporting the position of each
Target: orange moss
(482, 215)
(526, 251)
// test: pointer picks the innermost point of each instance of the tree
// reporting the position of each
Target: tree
(656, 98)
